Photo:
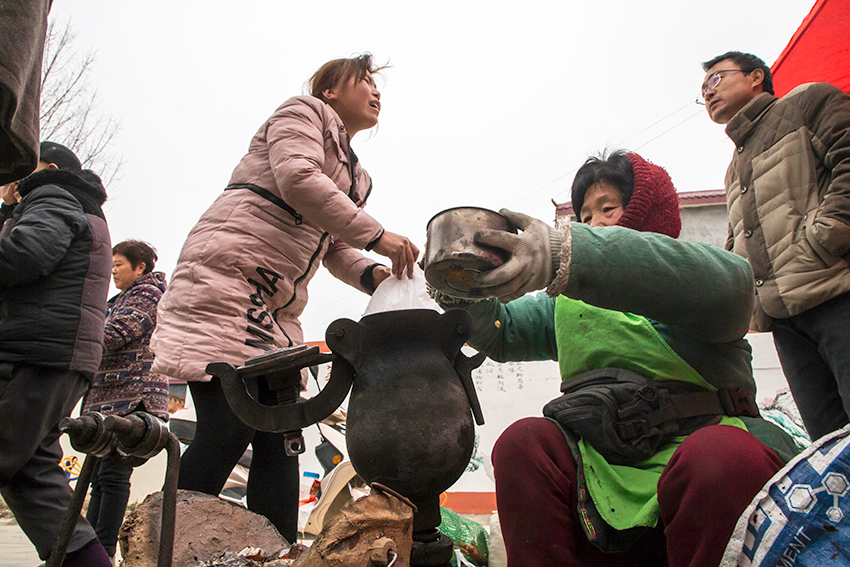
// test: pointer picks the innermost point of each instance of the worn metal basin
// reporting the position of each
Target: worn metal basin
(452, 257)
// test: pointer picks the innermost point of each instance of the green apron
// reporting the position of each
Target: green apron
(590, 338)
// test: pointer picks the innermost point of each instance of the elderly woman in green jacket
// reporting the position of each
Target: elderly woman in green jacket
(622, 293)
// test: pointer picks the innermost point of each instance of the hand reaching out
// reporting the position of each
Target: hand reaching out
(400, 250)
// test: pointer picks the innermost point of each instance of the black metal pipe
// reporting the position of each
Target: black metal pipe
(169, 502)
(129, 429)
(139, 433)
(88, 434)
(57, 556)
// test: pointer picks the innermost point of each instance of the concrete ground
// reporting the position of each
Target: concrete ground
(15, 549)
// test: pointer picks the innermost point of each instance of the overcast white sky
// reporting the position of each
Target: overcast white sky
(493, 104)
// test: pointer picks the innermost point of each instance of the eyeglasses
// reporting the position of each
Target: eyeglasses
(714, 80)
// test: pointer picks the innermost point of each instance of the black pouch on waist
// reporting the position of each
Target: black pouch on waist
(627, 417)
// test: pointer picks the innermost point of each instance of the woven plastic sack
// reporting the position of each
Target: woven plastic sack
(469, 537)
(800, 516)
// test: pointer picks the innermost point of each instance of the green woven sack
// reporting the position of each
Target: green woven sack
(468, 536)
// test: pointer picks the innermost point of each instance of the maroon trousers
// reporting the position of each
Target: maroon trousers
(710, 480)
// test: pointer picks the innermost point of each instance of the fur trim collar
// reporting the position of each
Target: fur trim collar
(85, 181)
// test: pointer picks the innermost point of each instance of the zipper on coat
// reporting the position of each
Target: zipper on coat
(268, 196)
(366, 196)
(304, 275)
(352, 161)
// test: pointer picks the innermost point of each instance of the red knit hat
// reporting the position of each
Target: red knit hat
(654, 204)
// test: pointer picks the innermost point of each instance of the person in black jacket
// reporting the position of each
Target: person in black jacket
(55, 263)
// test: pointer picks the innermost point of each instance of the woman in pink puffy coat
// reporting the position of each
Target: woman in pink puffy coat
(295, 199)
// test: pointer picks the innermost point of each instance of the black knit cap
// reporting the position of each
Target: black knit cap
(62, 157)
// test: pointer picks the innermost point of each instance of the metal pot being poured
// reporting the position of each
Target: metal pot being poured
(452, 258)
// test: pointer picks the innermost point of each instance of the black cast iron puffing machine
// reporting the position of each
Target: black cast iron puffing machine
(410, 416)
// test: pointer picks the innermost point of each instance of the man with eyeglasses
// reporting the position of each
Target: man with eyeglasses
(788, 196)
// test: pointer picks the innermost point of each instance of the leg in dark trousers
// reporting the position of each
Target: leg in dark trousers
(273, 483)
(33, 400)
(708, 483)
(814, 349)
(536, 495)
(220, 440)
(110, 491)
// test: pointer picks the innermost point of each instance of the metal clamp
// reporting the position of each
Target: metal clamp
(281, 370)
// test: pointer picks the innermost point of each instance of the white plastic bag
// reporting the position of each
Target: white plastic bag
(405, 293)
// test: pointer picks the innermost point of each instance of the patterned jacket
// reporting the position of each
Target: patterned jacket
(124, 379)
(788, 193)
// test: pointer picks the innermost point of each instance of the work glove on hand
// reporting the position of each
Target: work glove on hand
(535, 257)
